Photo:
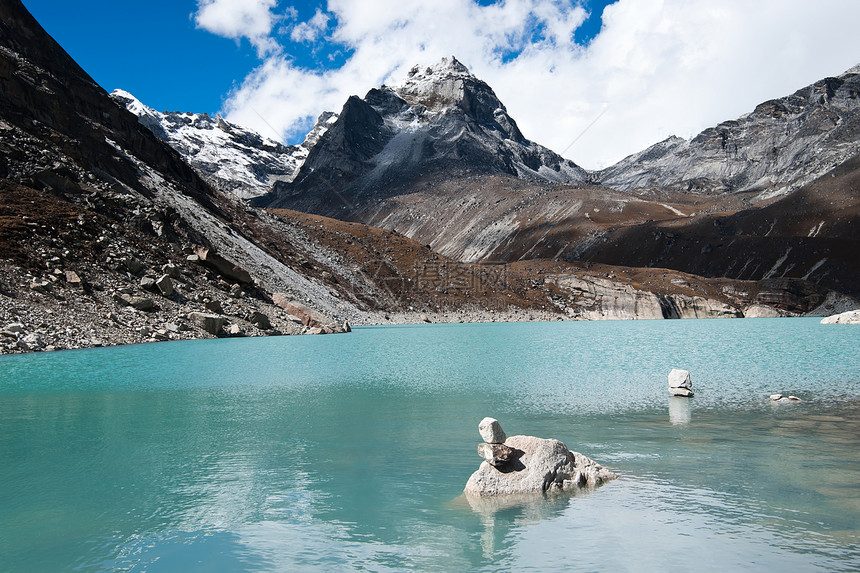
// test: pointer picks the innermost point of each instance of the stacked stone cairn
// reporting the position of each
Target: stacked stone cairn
(526, 465)
(679, 383)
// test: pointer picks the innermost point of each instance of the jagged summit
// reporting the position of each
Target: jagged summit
(445, 82)
(229, 157)
(439, 122)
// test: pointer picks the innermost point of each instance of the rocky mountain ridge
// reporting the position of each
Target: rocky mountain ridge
(229, 157)
(780, 146)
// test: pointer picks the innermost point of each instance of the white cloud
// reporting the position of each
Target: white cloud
(237, 19)
(658, 68)
(311, 30)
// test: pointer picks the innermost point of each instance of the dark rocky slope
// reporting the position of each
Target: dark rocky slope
(94, 209)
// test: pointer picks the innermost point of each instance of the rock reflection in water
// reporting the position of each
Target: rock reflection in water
(502, 514)
(680, 410)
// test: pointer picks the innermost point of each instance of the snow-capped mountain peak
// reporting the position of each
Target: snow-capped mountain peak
(230, 157)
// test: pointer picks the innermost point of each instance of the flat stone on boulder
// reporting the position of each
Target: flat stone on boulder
(537, 465)
(224, 267)
(491, 431)
(496, 454)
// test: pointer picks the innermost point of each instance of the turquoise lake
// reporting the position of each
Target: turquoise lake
(350, 452)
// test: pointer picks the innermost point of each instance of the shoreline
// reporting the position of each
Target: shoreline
(471, 316)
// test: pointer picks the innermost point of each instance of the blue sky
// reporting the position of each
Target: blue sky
(155, 50)
(599, 80)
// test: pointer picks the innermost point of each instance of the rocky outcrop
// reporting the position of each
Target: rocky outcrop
(526, 464)
(850, 317)
(760, 311)
(595, 298)
(680, 383)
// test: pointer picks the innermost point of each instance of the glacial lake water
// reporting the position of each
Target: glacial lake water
(350, 452)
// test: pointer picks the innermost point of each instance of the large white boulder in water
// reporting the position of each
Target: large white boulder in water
(850, 317)
(680, 383)
(538, 465)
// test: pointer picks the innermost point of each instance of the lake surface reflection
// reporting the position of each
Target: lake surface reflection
(351, 451)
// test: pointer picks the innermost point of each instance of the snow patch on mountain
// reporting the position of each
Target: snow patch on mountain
(229, 157)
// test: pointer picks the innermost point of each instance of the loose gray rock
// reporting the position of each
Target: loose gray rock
(538, 465)
(211, 323)
(147, 283)
(165, 285)
(133, 265)
(34, 341)
(214, 306)
(138, 302)
(260, 320)
(15, 328)
(491, 431)
(171, 270)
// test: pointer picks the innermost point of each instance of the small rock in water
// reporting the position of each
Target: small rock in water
(491, 431)
(680, 383)
(781, 398)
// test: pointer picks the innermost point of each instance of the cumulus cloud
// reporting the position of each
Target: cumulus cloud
(657, 68)
(251, 19)
(311, 30)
